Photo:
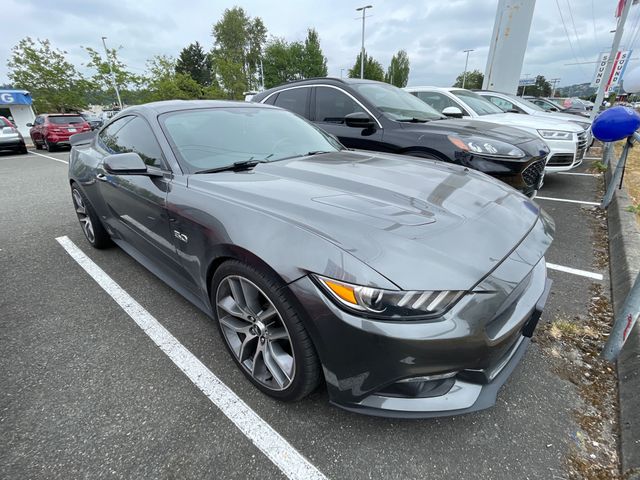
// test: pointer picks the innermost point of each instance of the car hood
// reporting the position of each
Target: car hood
(472, 126)
(563, 117)
(533, 121)
(422, 224)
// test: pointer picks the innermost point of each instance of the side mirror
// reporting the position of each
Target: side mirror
(29, 124)
(129, 163)
(453, 112)
(359, 120)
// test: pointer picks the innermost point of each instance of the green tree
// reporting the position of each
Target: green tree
(53, 81)
(398, 71)
(238, 43)
(314, 63)
(164, 83)
(372, 68)
(102, 79)
(474, 80)
(282, 62)
(542, 88)
(195, 62)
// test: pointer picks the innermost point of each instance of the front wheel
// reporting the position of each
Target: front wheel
(91, 225)
(262, 329)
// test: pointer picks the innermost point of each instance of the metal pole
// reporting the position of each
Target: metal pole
(614, 50)
(363, 9)
(113, 77)
(553, 90)
(466, 62)
(623, 324)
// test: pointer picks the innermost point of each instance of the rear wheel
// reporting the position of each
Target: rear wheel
(50, 147)
(92, 228)
(262, 329)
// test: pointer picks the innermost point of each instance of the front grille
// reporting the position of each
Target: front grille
(532, 173)
(560, 160)
(582, 145)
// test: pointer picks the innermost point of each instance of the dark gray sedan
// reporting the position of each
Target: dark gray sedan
(411, 287)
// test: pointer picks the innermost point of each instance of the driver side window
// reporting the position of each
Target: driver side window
(333, 105)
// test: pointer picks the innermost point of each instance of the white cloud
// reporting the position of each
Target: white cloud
(433, 32)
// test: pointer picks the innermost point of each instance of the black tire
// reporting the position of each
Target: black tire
(23, 150)
(36, 144)
(307, 371)
(49, 147)
(99, 238)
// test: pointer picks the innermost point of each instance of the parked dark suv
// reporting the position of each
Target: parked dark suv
(369, 115)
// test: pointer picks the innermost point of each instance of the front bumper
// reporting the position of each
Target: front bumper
(564, 155)
(367, 362)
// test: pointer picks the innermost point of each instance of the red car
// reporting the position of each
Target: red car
(52, 130)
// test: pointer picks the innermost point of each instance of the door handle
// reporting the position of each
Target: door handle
(101, 176)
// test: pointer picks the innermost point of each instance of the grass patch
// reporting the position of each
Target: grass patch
(599, 166)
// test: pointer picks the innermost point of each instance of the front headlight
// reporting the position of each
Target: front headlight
(555, 135)
(389, 304)
(486, 147)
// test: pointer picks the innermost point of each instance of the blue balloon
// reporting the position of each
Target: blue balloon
(615, 124)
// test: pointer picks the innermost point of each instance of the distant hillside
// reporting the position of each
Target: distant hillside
(577, 90)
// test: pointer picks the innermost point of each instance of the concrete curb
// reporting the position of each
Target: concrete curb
(624, 254)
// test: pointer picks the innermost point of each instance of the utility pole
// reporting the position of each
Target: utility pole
(553, 89)
(611, 60)
(113, 77)
(524, 87)
(363, 10)
(466, 62)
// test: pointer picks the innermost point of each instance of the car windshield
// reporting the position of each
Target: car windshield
(65, 119)
(219, 137)
(396, 103)
(478, 104)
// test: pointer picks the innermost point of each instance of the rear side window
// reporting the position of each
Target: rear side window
(438, 101)
(132, 134)
(333, 105)
(294, 100)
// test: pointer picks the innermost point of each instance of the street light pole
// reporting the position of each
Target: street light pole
(611, 60)
(363, 10)
(466, 62)
(113, 77)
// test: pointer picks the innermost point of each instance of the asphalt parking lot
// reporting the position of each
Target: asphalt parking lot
(85, 393)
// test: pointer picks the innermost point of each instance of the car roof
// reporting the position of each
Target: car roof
(173, 105)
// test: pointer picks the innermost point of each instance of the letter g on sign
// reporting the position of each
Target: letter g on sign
(6, 98)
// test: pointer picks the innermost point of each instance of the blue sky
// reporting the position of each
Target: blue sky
(434, 32)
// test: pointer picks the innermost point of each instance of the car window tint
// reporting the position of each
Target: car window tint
(271, 100)
(133, 135)
(333, 105)
(502, 103)
(437, 100)
(294, 100)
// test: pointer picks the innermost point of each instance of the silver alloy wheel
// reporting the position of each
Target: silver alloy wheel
(255, 332)
(83, 216)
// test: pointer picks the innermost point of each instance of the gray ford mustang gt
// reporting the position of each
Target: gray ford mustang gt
(410, 286)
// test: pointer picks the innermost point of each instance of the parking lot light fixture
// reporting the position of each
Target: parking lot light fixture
(113, 77)
(363, 10)
(466, 63)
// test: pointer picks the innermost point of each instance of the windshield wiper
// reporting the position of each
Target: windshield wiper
(413, 120)
(318, 152)
(234, 167)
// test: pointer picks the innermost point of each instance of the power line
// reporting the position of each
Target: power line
(566, 31)
(575, 30)
(593, 19)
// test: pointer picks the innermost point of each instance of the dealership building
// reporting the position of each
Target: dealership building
(16, 105)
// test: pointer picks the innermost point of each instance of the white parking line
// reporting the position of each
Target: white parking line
(567, 200)
(575, 271)
(271, 443)
(580, 174)
(52, 158)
